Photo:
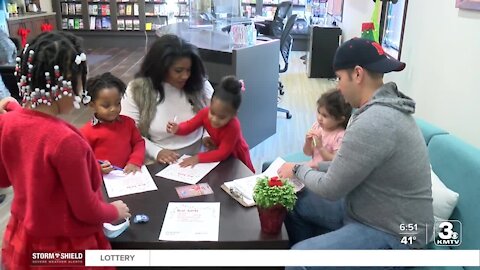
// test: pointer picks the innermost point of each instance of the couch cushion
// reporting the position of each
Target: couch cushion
(444, 199)
(457, 164)
(297, 157)
(429, 130)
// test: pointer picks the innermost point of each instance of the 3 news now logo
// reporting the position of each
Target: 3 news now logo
(44, 258)
(448, 233)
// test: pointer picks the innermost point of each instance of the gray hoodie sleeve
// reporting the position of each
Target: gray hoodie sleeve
(367, 142)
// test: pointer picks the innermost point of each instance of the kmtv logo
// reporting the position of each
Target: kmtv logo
(448, 233)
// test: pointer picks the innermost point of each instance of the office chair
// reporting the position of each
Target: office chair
(286, 42)
(275, 28)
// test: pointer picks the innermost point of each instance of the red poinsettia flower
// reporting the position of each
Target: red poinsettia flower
(275, 182)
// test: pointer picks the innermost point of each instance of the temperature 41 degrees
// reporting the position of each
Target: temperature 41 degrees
(408, 240)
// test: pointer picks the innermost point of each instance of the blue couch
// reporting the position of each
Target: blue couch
(457, 164)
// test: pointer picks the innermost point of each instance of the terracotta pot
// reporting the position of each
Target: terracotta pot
(271, 219)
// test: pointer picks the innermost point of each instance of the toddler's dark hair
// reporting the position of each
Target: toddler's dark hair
(229, 90)
(335, 105)
(105, 80)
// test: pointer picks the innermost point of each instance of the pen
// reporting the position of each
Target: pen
(113, 166)
(175, 119)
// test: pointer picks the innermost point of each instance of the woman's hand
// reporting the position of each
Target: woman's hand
(191, 161)
(167, 156)
(122, 208)
(131, 168)
(172, 127)
(285, 170)
(208, 142)
(106, 167)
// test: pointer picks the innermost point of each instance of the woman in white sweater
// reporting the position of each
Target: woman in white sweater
(170, 86)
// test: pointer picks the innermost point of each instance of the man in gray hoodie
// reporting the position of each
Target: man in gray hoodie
(376, 193)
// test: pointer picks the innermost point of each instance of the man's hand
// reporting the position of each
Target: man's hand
(167, 156)
(285, 170)
(191, 161)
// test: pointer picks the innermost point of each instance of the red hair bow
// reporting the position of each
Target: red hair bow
(46, 27)
(23, 33)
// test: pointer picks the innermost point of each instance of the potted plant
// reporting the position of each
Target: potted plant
(274, 197)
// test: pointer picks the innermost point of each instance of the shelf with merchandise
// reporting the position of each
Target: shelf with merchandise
(155, 9)
(99, 2)
(72, 23)
(95, 9)
(128, 24)
(128, 9)
(71, 8)
(98, 23)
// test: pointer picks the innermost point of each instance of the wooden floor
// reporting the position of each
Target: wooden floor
(300, 98)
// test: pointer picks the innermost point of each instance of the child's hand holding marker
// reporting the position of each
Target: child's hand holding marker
(172, 126)
(107, 167)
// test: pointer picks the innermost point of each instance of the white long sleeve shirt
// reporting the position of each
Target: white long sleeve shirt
(174, 105)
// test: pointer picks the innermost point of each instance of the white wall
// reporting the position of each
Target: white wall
(355, 12)
(441, 47)
(442, 50)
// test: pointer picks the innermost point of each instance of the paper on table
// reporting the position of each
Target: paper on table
(188, 174)
(246, 185)
(191, 222)
(118, 184)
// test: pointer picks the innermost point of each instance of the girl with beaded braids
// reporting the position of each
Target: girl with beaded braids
(58, 204)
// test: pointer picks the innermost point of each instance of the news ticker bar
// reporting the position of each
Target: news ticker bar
(282, 258)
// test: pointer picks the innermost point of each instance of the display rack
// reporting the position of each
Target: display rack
(71, 13)
(156, 14)
(99, 15)
(128, 15)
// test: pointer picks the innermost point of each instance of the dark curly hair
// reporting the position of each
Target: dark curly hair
(50, 49)
(161, 56)
(105, 80)
(229, 90)
(335, 105)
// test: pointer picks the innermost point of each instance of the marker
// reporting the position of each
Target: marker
(314, 142)
(175, 119)
(113, 166)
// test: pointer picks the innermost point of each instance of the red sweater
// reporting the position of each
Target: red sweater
(54, 174)
(228, 139)
(119, 141)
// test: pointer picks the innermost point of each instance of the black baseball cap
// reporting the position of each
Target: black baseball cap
(367, 54)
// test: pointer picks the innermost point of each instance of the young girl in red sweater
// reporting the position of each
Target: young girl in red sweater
(58, 204)
(114, 138)
(221, 122)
